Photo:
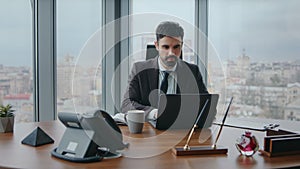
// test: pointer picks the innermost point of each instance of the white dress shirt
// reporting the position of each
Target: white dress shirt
(172, 84)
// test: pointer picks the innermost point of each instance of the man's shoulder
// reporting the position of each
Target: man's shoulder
(190, 65)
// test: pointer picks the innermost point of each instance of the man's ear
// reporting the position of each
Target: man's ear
(156, 45)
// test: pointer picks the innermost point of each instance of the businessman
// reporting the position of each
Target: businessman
(164, 74)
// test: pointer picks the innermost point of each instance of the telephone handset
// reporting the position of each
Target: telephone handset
(110, 121)
(86, 135)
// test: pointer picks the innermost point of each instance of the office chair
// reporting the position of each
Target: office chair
(151, 52)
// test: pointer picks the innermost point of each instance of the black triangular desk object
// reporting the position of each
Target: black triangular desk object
(37, 138)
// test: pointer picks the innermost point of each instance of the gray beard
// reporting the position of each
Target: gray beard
(172, 63)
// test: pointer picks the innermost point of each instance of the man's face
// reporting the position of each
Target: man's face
(169, 49)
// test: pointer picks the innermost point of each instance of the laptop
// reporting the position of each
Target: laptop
(180, 111)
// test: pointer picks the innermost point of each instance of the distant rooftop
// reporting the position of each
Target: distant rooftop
(293, 84)
(17, 96)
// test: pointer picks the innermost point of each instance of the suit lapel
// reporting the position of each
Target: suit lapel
(153, 75)
(181, 77)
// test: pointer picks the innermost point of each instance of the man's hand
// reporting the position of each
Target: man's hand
(153, 114)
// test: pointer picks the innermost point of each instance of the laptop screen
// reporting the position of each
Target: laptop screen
(180, 111)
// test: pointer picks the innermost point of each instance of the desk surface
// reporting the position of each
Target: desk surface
(146, 150)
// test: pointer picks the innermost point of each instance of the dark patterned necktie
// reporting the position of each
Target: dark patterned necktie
(164, 82)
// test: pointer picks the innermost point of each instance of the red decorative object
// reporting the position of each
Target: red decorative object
(247, 144)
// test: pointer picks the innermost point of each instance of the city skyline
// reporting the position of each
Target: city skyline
(265, 88)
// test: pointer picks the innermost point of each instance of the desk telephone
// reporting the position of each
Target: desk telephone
(89, 137)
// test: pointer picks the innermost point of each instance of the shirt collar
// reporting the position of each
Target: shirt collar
(162, 68)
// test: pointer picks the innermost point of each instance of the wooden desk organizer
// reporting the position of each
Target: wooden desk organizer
(279, 145)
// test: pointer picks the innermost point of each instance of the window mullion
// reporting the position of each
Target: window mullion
(45, 60)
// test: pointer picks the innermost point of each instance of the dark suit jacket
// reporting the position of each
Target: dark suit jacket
(142, 91)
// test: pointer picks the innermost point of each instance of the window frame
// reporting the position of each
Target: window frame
(44, 59)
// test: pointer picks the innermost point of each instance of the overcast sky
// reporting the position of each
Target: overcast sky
(268, 30)
(15, 32)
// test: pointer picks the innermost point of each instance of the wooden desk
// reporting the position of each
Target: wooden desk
(13, 154)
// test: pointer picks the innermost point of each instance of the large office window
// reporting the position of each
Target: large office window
(16, 53)
(79, 80)
(258, 56)
(252, 51)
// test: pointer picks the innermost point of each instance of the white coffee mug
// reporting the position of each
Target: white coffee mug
(135, 120)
